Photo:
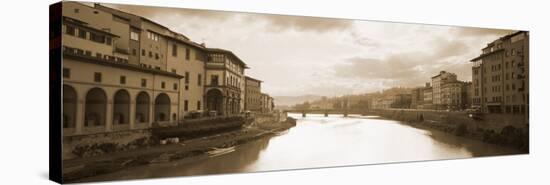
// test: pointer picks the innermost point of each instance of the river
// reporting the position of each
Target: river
(319, 141)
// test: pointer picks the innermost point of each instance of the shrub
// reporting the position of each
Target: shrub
(461, 130)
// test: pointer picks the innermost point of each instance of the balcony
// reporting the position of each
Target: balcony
(122, 51)
(81, 52)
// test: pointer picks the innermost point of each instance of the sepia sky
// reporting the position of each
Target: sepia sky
(330, 57)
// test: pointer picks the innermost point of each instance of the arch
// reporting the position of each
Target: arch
(214, 100)
(162, 107)
(95, 110)
(69, 106)
(121, 107)
(142, 107)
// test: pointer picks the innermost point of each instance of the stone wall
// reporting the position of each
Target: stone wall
(489, 121)
(502, 129)
(98, 144)
(268, 118)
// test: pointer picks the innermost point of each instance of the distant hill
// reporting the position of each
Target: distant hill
(284, 101)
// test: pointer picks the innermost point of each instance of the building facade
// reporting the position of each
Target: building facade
(123, 72)
(427, 103)
(417, 98)
(102, 90)
(437, 82)
(453, 95)
(224, 77)
(253, 94)
(266, 103)
(401, 101)
(501, 75)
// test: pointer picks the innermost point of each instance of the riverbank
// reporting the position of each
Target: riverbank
(495, 129)
(75, 170)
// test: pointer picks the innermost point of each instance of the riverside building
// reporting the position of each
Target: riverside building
(501, 75)
(123, 72)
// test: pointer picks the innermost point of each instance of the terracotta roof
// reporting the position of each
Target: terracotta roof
(85, 25)
(253, 79)
(218, 50)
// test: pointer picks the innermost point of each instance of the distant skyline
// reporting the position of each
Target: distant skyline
(297, 55)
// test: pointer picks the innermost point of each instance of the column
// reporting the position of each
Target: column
(222, 111)
(109, 116)
(79, 119)
(132, 114)
(151, 113)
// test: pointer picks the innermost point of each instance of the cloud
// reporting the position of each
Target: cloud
(448, 48)
(152, 11)
(361, 40)
(479, 32)
(274, 22)
(278, 23)
(407, 68)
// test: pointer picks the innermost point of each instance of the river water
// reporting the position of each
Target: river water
(319, 141)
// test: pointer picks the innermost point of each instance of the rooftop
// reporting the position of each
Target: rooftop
(218, 50)
(253, 79)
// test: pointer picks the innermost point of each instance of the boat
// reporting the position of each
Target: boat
(220, 151)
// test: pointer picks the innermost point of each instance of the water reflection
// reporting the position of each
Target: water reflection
(319, 141)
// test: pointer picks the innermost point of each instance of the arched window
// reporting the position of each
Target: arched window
(162, 107)
(69, 106)
(95, 110)
(142, 107)
(121, 107)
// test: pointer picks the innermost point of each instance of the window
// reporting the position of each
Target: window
(198, 105)
(134, 36)
(156, 56)
(174, 50)
(162, 85)
(70, 30)
(185, 105)
(187, 77)
(187, 53)
(97, 77)
(97, 38)
(122, 79)
(150, 54)
(175, 86)
(186, 87)
(142, 52)
(66, 73)
(76, 10)
(143, 82)
(152, 36)
(199, 80)
(134, 52)
(108, 40)
(214, 80)
(82, 33)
